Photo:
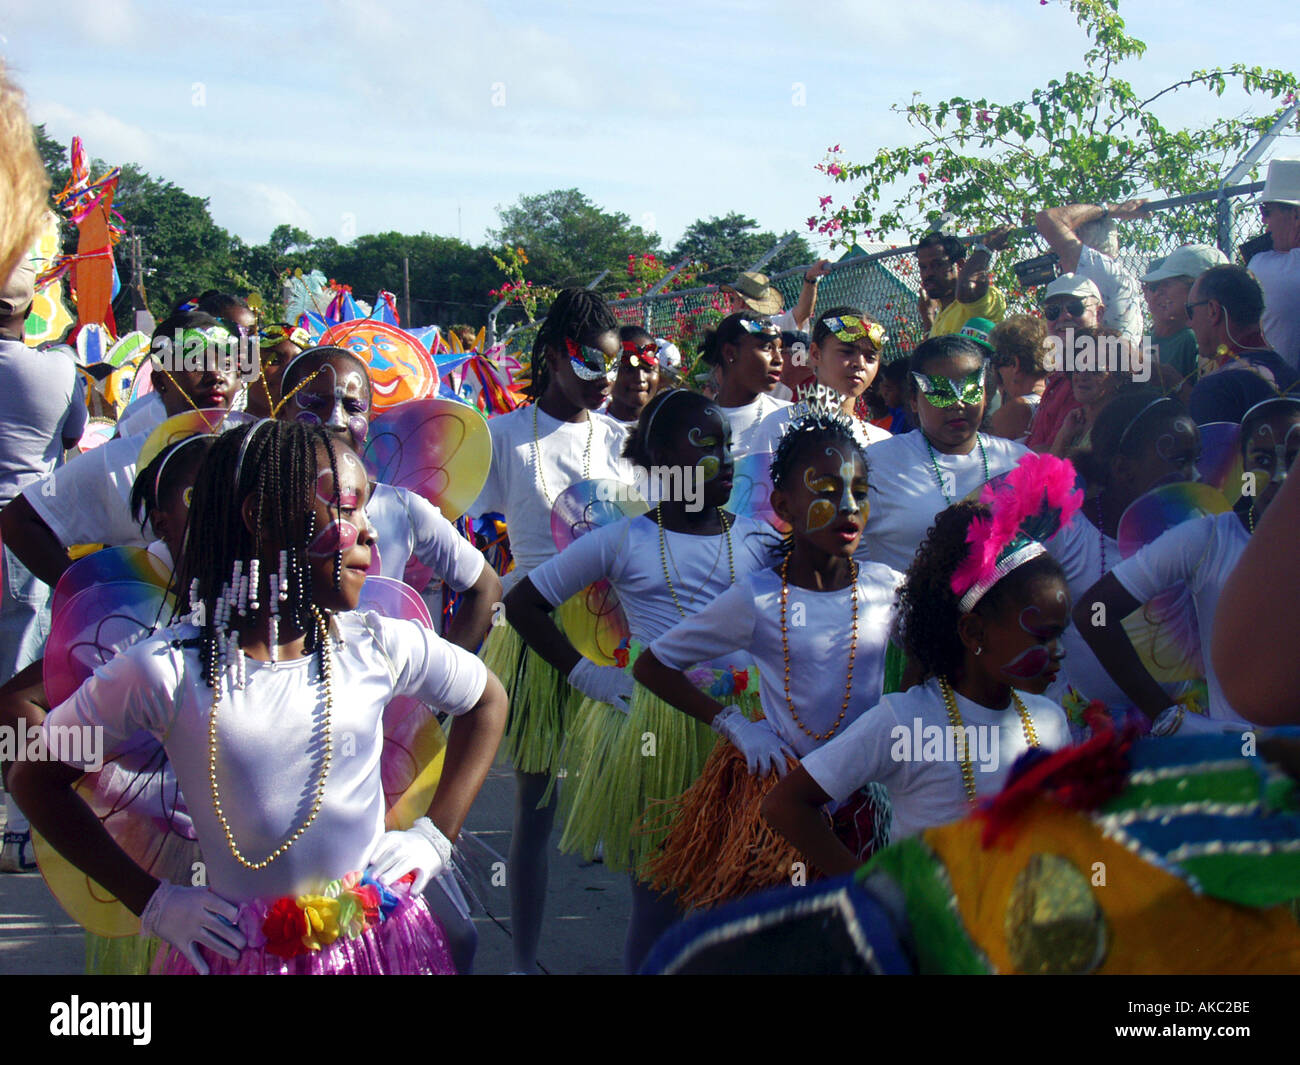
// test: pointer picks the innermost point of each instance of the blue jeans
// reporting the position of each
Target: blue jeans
(24, 617)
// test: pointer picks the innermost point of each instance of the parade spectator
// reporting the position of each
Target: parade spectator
(1238, 367)
(42, 412)
(1071, 302)
(754, 292)
(1167, 286)
(955, 286)
(1278, 270)
(1019, 357)
(1084, 239)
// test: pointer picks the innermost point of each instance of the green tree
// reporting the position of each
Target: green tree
(727, 245)
(568, 239)
(1088, 137)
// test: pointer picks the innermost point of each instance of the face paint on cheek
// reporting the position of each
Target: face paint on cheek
(1029, 664)
(307, 417)
(709, 465)
(848, 503)
(358, 428)
(335, 537)
(821, 513)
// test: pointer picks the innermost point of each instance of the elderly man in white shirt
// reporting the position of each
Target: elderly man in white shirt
(1278, 270)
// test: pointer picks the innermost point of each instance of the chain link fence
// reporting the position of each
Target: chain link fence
(885, 283)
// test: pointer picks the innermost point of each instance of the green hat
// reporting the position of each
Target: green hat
(979, 330)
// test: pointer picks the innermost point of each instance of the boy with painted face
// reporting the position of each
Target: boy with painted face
(1199, 554)
(918, 474)
(637, 379)
(331, 387)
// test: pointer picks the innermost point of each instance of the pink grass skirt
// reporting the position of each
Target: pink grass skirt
(410, 942)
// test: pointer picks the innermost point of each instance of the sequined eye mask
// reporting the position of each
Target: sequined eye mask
(949, 391)
(589, 364)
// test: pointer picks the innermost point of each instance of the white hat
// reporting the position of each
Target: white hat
(1072, 285)
(669, 357)
(1191, 260)
(1283, 183)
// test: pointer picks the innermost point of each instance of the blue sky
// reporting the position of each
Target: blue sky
(356, 117)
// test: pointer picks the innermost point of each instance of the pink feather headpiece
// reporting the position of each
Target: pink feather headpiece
(1027, 506)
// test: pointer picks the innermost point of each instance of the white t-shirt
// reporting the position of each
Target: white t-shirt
(905, 492)
(746, 423)
(268, 763)
(905, 744)
(818, 628)
(142, 414)
(768, 435)
(515, 489)
(42, 402)
(1121, 291)
(88, 501)
(1278, 275)
(1078, 548)
(627, 554)
(1199, 554)
(406, 524)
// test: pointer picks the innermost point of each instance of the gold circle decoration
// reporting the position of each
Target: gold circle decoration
(1053, 923)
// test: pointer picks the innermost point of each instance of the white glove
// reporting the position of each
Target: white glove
(189, 917)
(763, 749)
(421, 847)
(605, 684)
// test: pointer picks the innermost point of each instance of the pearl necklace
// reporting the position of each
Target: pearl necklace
(318, 798)
(954, 720)
(537, 456)
(785, 654)
(934, 464)
(663, 553)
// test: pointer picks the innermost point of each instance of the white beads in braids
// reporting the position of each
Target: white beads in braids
(254, 578)
(283, 582)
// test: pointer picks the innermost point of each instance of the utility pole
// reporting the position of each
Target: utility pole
(406, 290)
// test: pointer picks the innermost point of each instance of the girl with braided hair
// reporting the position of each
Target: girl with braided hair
(982, 614)
(281, 780)
(665, 565)
(817, 625)
(539, 450)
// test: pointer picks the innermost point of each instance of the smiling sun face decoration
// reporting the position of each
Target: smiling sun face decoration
(400, 367)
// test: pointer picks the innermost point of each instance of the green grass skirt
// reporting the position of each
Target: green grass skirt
(618, 764)
(541, 700)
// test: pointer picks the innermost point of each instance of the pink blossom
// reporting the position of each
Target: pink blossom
(812, 221)
(923, 178)
(835, 149)
(984, 117)
(825, 201)
(834, 170)
(925, 159)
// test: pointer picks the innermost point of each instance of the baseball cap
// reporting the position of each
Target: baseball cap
(19, 288)
(1072, 285)
(978, 330)
(1191, 260)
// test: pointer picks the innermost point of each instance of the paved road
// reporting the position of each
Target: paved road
(586, 914)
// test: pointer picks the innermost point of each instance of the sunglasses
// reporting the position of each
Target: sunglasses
(945, 392)
(1190, 307)
(850, 329)
(272, 335)
(590, 364)
(1053, 310)
(756, 326)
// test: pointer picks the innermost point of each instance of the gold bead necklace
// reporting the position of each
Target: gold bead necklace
(954, 720)
(785, 654)
(663, 553)
(537, 456)
(218, 678)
